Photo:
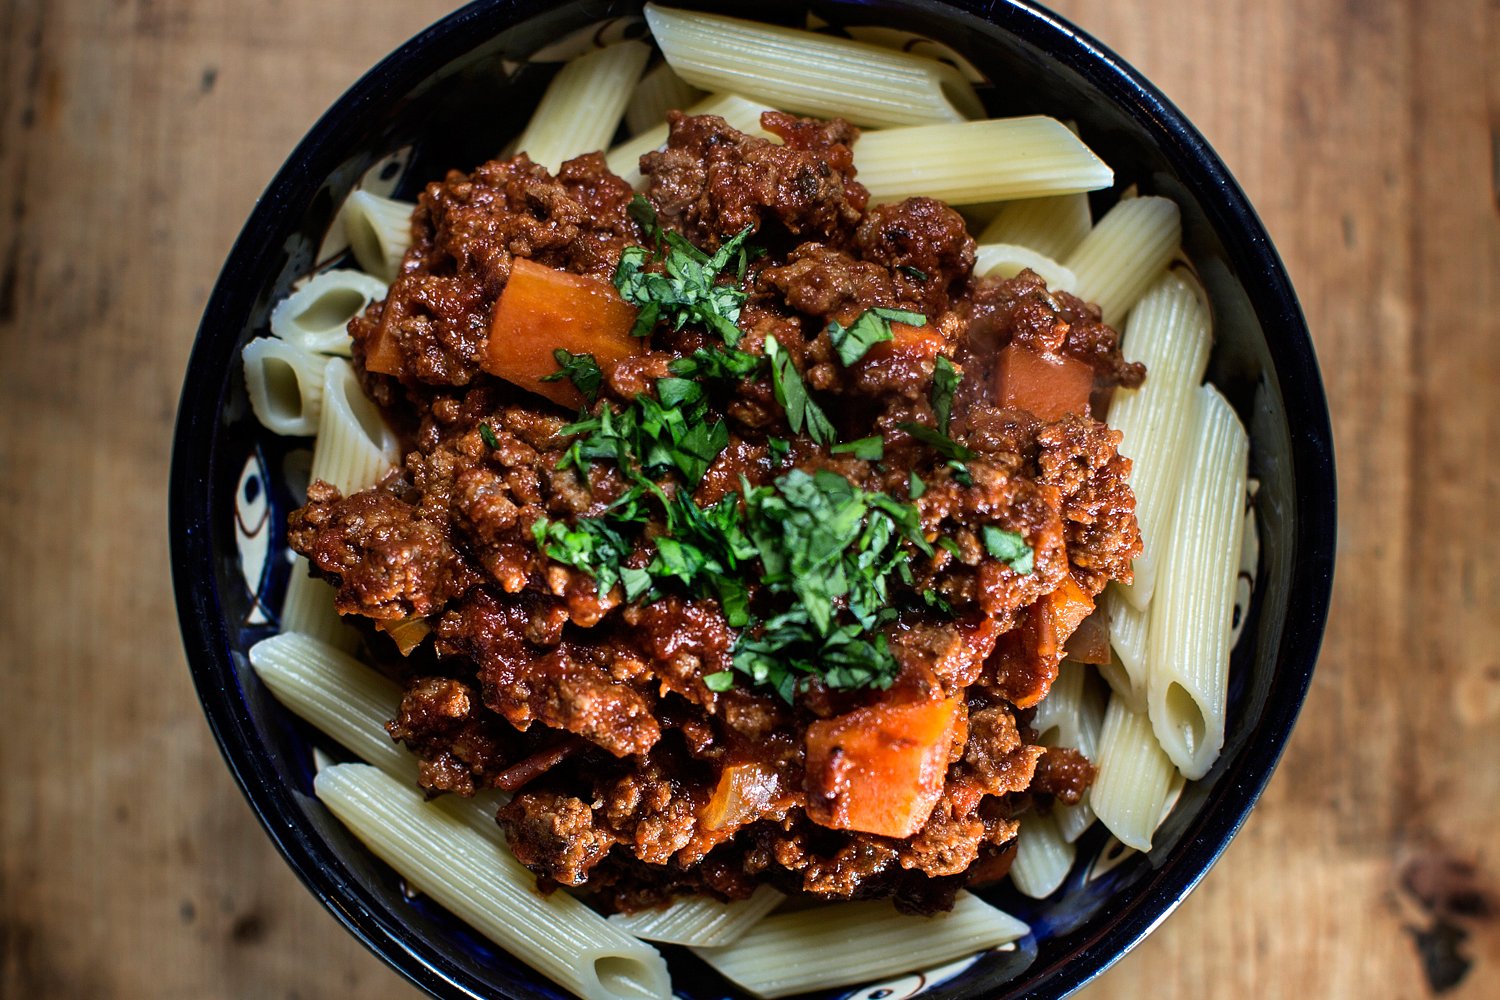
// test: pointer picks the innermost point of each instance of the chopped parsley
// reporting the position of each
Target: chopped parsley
(801, 411)
(872, 327)
(828, 555)
(1010, 548)
(687, 290)
(581, 369)
(871, 449)
(777, 449)
(945, 380)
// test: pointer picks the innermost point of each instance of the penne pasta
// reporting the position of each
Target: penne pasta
(583, 105)
(355, 447)
(739, 112)
(337, 694)
(700, 921)
(308, 608)
(1134, 777)
(316, 316)
(659, 91)
(1043, 857)
(856, 942)
(809, 73)
(1168, 331)
(1007, 260)
(285, 386)
(1127, 251)
(1051, 226)
(1128, 631)
(379, 232)
(974, 162)
(1072, 715)
(1192, 611)
(438, 852)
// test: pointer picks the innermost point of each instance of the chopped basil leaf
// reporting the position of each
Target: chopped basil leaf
(900, 316)
(644, 214)
(688, 291)
(912, 272)
(487, 435)
(938, 441)
(801, 411)
(777, 448)
(945, 379)
(915, 487)
(872, 327)
(1010, 548)
(721, 681)
(581, 369)
(871, 449)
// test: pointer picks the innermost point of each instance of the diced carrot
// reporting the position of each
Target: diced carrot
(743, 792)
(381, 353)
(1066, 608)
(879, 769)
(408, 632)
(1090, 643)
(542, 309)
(909, 341)
(1049, 386)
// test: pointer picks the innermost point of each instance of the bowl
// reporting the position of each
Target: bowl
(411, 118)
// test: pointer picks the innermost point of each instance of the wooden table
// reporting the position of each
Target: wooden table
(134, 137)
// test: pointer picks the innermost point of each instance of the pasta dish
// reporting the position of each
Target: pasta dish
(728, 524)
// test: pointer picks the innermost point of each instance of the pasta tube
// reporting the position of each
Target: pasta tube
(1051, 226)
(700, 920)
(439, 853)
(1043, 857)
(316, 316)
(808, 73)
(1007, 260)
(308, 609)
(855, 942)
(285, 385)
(1134, 777)
(1191, 614)
(1121, 256)
(584, 103)
(975, 162)
(379, 232)
(355, 447)
(337, 694)
(1168, 331)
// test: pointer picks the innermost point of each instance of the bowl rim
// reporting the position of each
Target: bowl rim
(196, 440)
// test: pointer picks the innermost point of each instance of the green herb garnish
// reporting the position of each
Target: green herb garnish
(801, 411)
(872, 327)
(487, 435)
(945, 378)
(909, 271)
(581, 369)
(914, 486)
(689, 290)
(1010, 548)
(871, 449)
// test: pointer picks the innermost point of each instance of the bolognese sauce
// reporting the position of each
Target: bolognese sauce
(760, 584)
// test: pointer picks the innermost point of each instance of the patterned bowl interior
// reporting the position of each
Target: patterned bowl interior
(452, 98)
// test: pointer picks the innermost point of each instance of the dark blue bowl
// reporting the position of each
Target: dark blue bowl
(453, 95)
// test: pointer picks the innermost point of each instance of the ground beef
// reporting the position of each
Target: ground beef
(635, 777)
(1063, 773)
(712, 181)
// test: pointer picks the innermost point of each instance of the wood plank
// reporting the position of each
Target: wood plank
(135, 136)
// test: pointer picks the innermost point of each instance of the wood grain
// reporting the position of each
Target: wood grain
(134, 137)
